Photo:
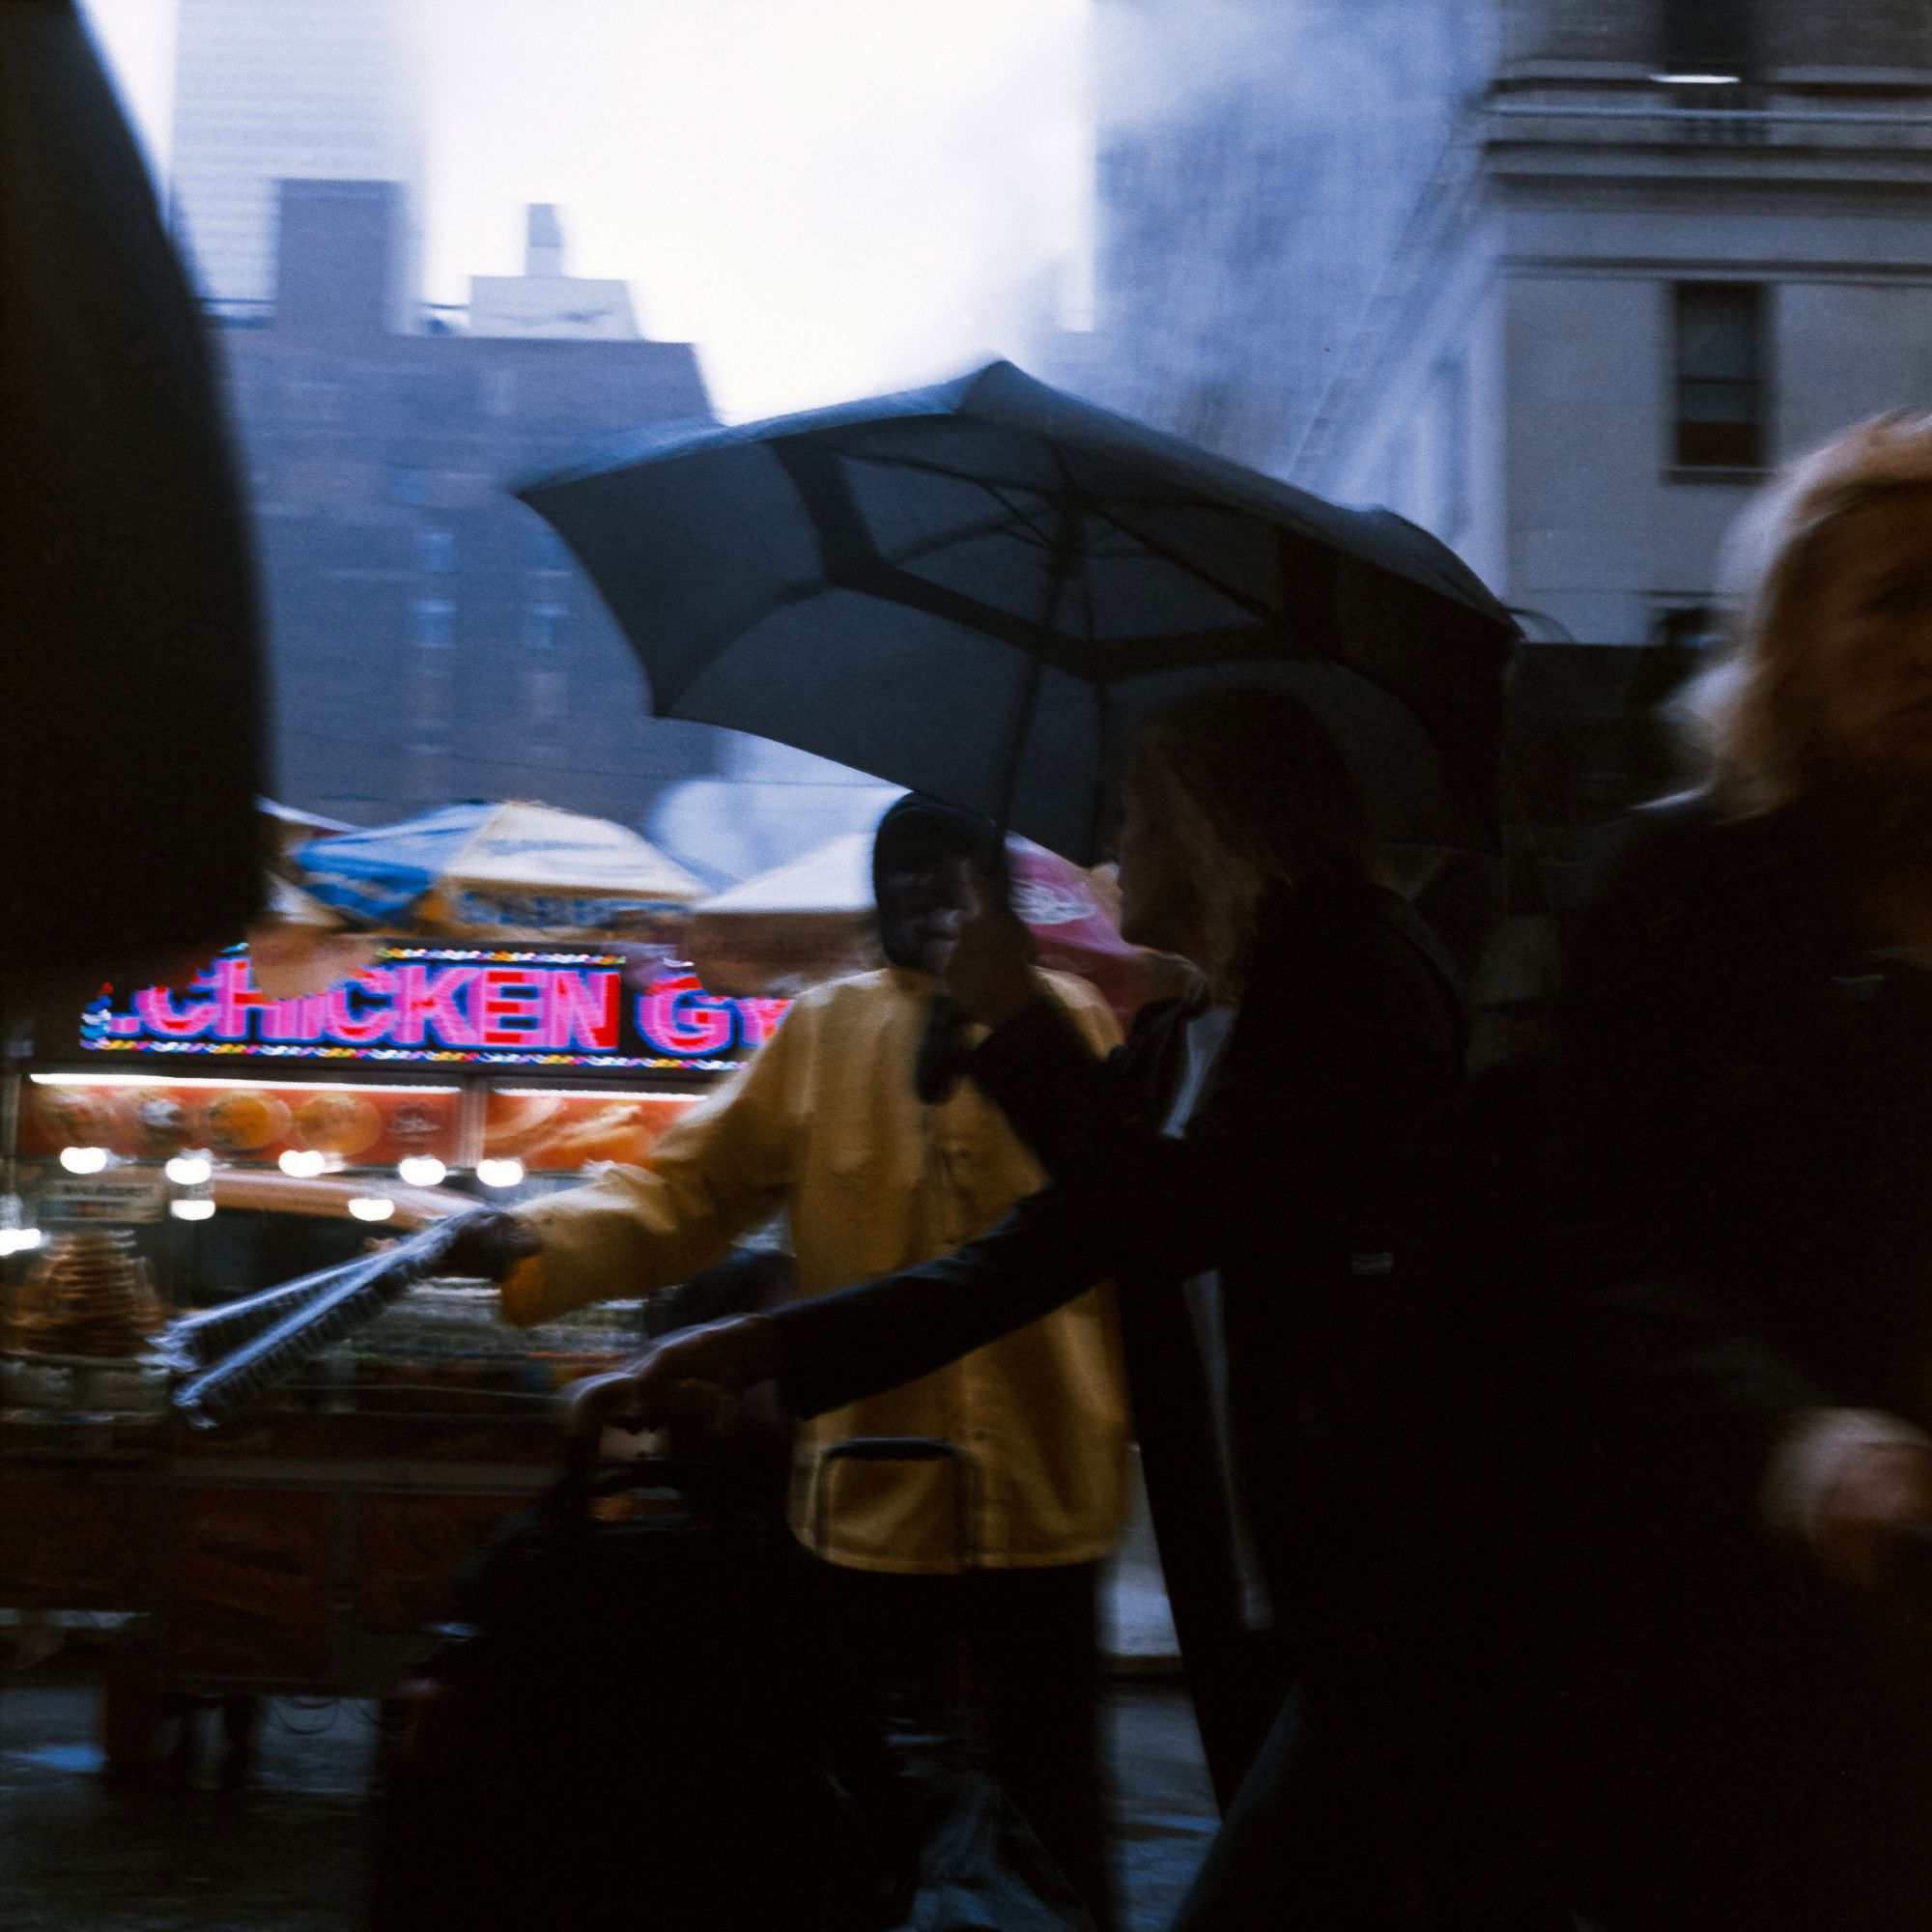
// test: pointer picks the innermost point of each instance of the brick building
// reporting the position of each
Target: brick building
(431, 637)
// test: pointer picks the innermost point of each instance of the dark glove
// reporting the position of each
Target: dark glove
(488, 1244)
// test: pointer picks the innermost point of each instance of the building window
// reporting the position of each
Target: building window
(1719, 386)
(543, 624)
(1705, 40)
(433, 623)
(409, 485)
(436, 551)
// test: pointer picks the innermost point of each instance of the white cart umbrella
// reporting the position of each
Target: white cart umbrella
(497, 871)
(791, 928)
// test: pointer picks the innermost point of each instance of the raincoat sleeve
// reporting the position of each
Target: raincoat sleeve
(723, 1170)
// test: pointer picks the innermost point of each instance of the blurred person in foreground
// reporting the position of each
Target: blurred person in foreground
(1746, 1061)
(130, 614)
(996, 1553)
(1266, 1165)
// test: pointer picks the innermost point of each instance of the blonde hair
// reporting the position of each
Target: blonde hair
(1752, 715)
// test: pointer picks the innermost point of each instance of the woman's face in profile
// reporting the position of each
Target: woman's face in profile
(1870, 621)
(1158, 904)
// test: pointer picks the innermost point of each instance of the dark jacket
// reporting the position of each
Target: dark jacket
(1745, 1205)
(1745, 1074)
(1303, 1178)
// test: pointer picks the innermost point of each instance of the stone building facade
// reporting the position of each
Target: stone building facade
(1668, 247)
(1560, 280)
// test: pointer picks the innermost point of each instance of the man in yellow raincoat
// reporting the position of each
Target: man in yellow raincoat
(999, 1547)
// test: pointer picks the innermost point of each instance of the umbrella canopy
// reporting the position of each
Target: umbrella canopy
(504, 871)
(835, 878)
(284, 827)
(791, 927)
(976, 589)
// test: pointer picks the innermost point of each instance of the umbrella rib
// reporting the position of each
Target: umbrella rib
(991, 527)
(991, 487)
(852, 559)
(1179, 500)
(1045, 538)
(1240, 599)
(1060, 563)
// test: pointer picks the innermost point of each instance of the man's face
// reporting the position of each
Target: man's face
(920, 904)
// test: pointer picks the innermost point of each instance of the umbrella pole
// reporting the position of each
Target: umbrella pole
(1017, 745)
(1102, 730)
(1058, 572)
(939, 1058)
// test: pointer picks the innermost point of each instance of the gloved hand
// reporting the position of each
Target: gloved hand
(695, 1376)
(487, 1243)
(987, 970)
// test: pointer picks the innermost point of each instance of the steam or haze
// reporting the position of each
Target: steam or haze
(139, 39)
(828, 196)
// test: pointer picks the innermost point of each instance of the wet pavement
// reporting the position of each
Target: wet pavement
(284, 1853)
(1164, 1806)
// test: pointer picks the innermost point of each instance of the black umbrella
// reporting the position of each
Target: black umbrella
(974, 589)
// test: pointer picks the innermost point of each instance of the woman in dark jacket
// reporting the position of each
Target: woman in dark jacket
(1288, 1135)
(1746, 1058)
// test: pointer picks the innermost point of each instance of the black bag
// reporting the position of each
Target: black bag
(641, 1728)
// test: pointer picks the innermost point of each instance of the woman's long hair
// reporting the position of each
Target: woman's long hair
(1259, 798)
(1752, 717)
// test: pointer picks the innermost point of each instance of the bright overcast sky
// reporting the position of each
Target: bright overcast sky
(830, 197)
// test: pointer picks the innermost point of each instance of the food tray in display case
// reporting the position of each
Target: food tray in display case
(559, 1130)
(144, 1117)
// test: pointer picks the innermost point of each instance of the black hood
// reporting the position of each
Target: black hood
(916, 833)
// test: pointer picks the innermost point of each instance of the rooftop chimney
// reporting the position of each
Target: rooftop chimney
(543, 246)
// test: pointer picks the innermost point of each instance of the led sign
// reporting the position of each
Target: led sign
(445, 1006)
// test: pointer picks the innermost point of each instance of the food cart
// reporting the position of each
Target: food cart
(182, 1148)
